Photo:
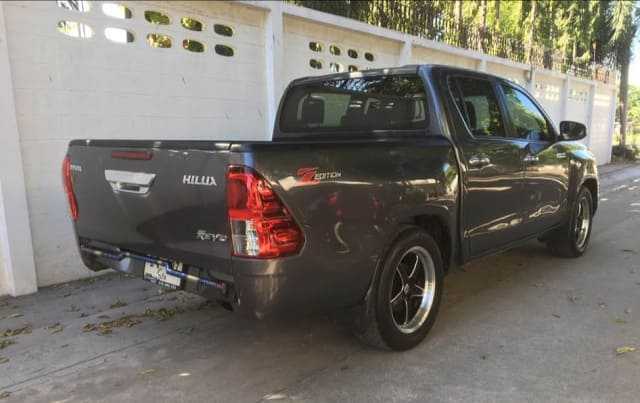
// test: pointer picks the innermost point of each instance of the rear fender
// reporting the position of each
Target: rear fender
(407, 223)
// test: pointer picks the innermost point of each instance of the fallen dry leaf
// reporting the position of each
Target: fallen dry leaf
(106, 328)
(3, 359)
(147, 372)
(623, 321)
(13, 315)
(162, 314)
(118, 304)
(624, 350)
(55, 328)
(6, 343)
(555, 315)
(4, 395)
(26, 329)
(574, 298)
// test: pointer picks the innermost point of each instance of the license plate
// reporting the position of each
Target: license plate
(158, 274)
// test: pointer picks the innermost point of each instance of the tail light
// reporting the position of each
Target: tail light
(131, 155)
(68, 187)
(261, 225)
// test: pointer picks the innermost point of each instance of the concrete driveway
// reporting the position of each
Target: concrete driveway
(521, 326)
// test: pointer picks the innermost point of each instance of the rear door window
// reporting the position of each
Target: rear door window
(363, 104)
(478, 104)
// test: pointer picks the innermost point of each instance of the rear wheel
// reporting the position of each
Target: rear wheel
(571, 240)
(406, 293)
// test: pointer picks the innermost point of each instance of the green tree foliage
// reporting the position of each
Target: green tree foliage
(623, 20)
(556, 34)
(633, 115)
(634, 106)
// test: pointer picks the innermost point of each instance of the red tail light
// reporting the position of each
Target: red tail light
(131, 155)
(68, 187)
(261, 225)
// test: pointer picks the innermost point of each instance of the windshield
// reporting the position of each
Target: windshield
(363, 104)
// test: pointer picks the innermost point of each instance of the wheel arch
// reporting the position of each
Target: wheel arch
(592, 185)
(437, 227)
(437, 224)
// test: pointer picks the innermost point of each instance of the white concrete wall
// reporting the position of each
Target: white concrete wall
(57, 88)
(602, 121)
(298, 33)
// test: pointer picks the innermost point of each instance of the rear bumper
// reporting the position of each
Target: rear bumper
(261, 288)
(267, 288)
(131, 263)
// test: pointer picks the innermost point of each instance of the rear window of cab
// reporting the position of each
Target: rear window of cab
(362, 104)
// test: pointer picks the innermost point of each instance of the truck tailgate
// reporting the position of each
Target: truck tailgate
(165, 200)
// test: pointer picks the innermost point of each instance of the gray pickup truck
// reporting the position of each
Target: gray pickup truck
(375, 185)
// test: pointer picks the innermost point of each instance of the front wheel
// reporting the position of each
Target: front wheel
(571, 239)
(406, 293)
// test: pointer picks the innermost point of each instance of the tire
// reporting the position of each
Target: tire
(572, 239)
(405, 296)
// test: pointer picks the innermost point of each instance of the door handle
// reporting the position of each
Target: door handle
(531, 159)
(129, 182)
(477, 161)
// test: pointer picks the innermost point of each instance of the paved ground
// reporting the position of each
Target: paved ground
(521, 326)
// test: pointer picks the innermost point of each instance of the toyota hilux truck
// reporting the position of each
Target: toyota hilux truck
(375, 185)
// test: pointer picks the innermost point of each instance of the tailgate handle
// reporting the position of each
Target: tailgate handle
(130, 182)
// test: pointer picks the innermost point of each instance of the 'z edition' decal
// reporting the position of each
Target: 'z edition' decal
(311, 175)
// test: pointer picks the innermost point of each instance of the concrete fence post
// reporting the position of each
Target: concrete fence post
(17, 267)
(482, 64)
(564, 97)
(612, 114)
(274, 42)
(531, 84)
(406, 53)
(590, 106)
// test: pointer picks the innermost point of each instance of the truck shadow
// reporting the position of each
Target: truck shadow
(460, 285)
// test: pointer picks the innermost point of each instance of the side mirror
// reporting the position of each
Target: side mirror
(572, 130)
